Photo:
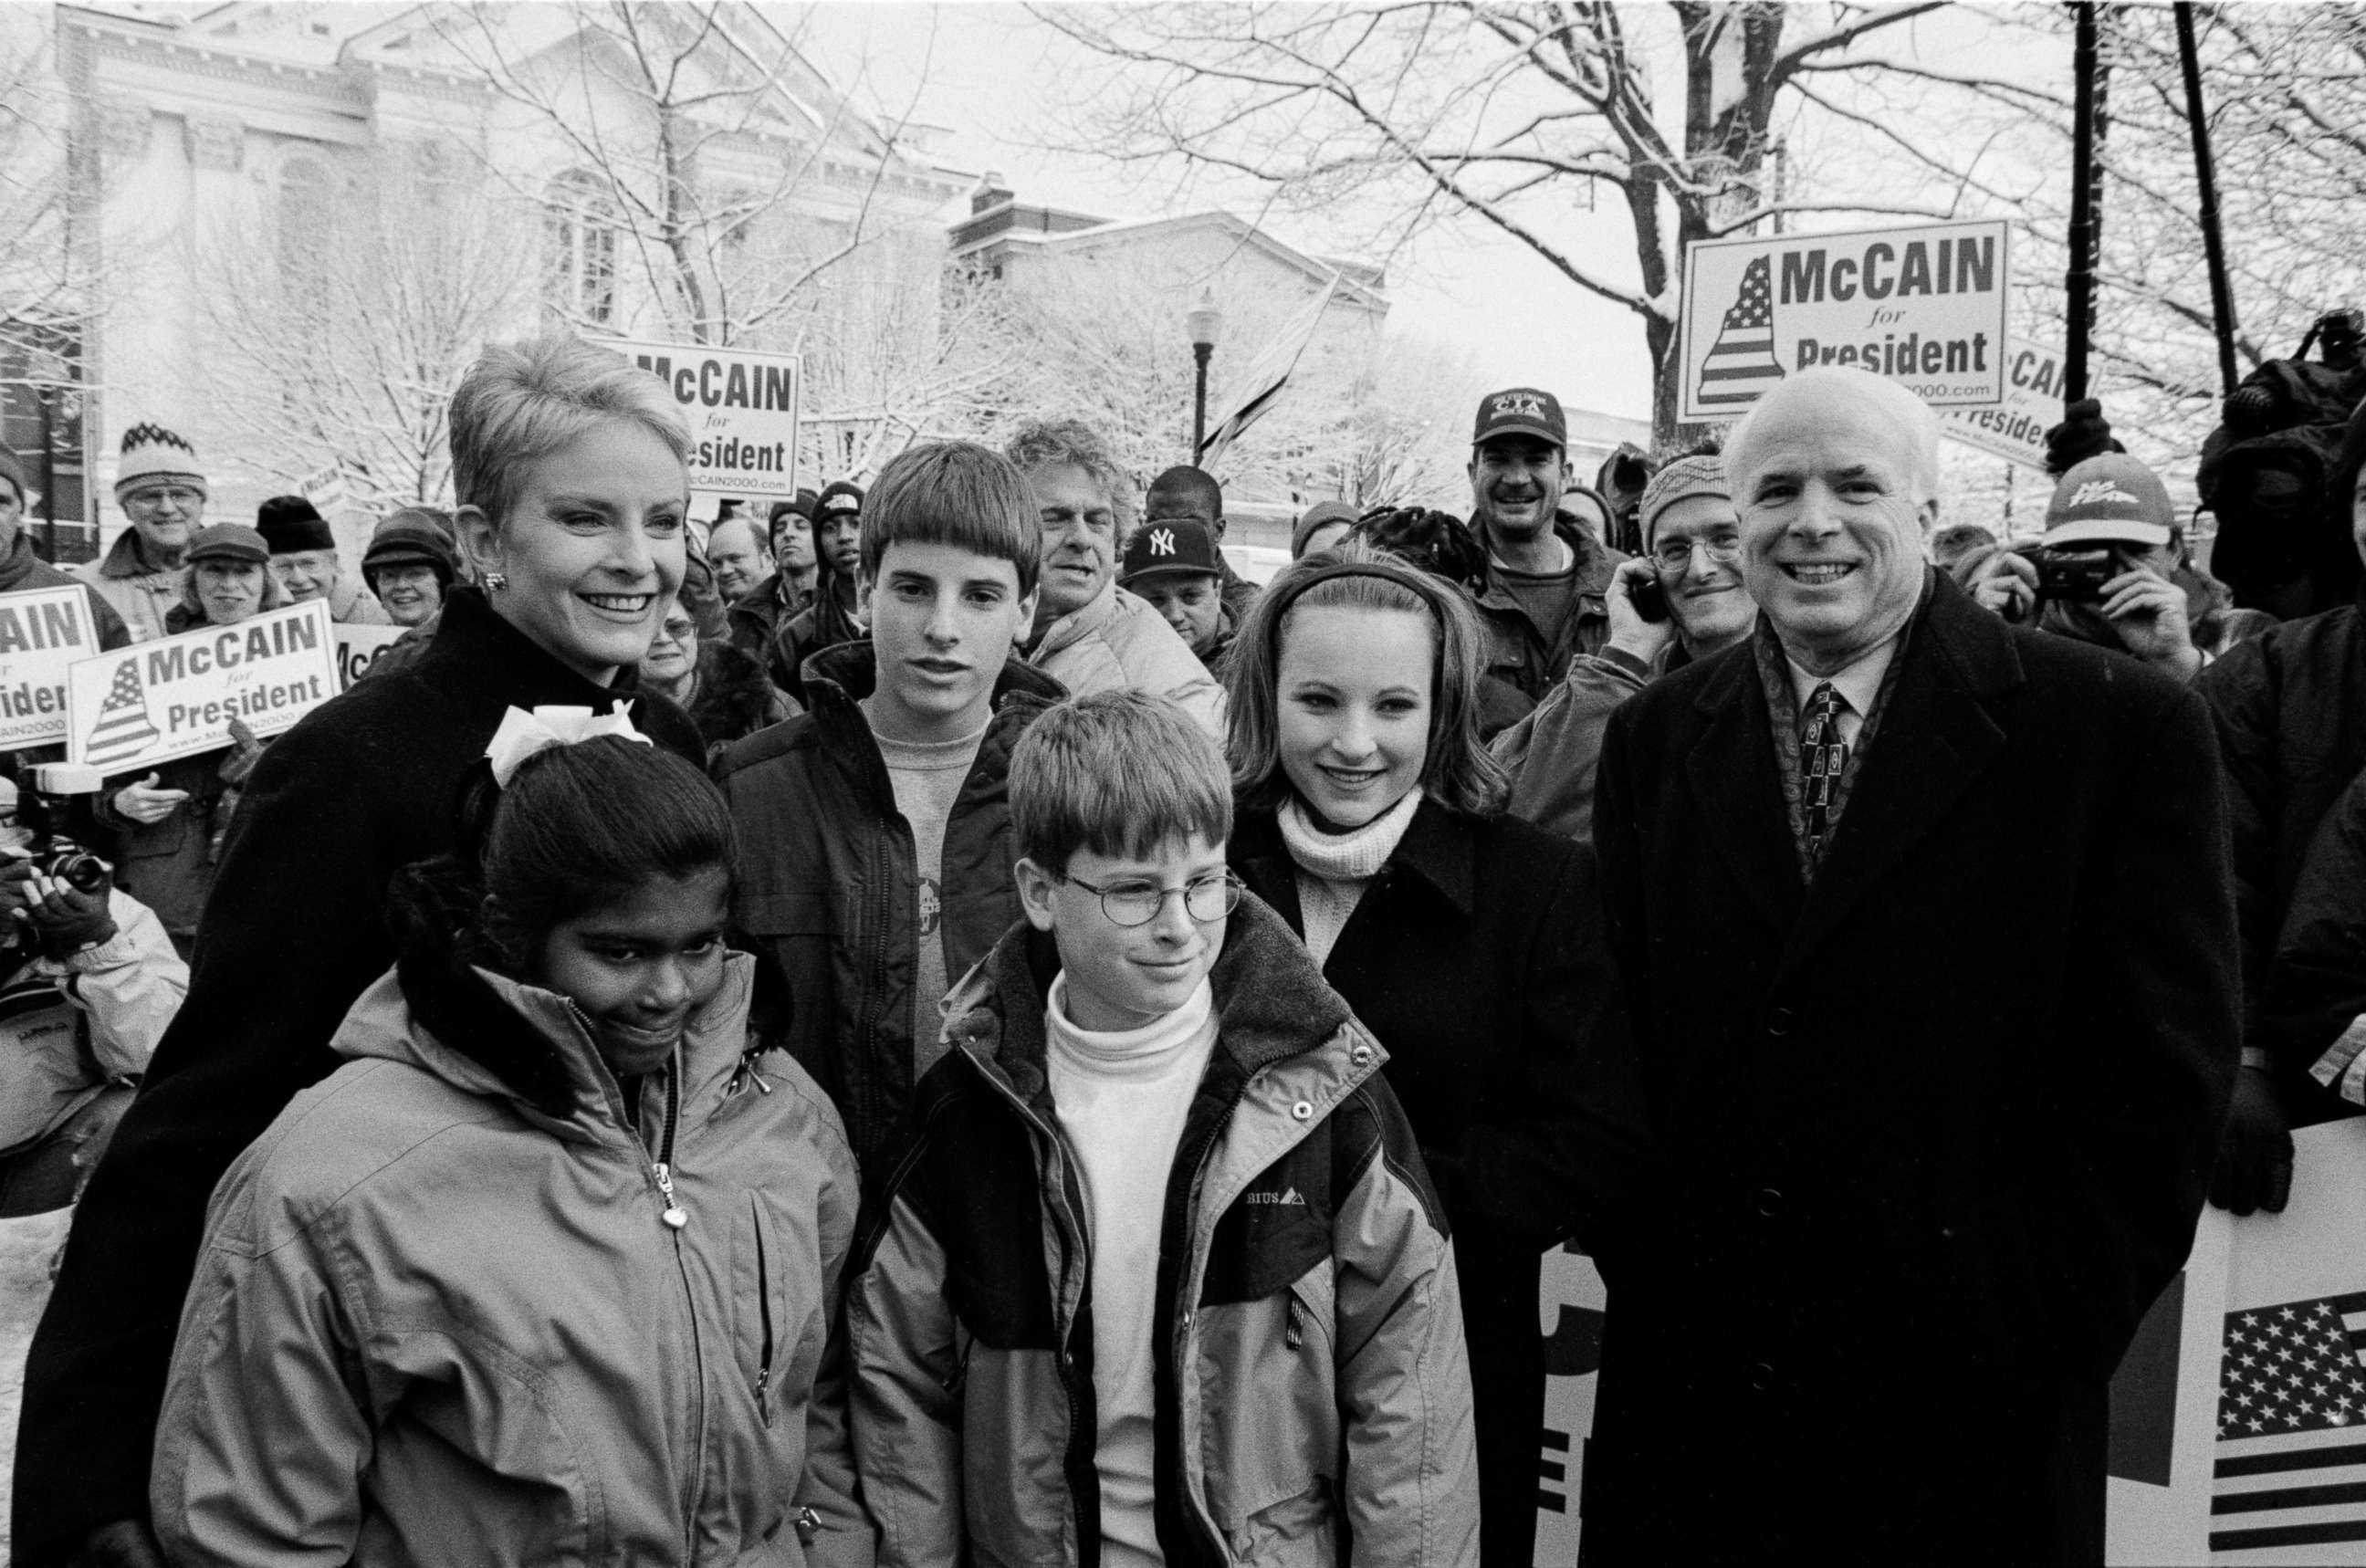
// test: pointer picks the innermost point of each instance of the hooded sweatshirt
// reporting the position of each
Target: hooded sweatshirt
(441, 1316)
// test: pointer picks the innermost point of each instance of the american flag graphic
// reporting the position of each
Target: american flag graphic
(123, 728)
(2290, 1469)
(1741, 364)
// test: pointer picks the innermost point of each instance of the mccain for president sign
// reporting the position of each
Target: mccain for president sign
(1923, 305)
(742, 408)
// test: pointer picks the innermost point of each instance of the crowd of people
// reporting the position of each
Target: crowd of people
(945, 1025)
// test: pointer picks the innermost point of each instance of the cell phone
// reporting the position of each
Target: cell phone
(1651, 600)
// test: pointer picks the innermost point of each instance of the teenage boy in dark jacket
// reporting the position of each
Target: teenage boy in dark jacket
(874, 835)
(1160, 1278)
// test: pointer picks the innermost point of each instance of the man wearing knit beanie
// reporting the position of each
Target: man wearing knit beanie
(161, 490)
(1690, 573)
(304, 559)
(22, 569)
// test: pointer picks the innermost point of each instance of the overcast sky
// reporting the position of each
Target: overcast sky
(992, 70)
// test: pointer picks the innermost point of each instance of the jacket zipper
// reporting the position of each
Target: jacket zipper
(764, 1313)
(1074, 1238)
(1178, 1315)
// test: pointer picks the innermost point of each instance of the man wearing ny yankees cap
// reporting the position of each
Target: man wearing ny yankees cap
(1547, 573)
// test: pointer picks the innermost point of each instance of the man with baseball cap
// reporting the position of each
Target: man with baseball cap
(1172, 564)
(2110, 569)
(1185, 493)
(1547, 576)
(158, 484)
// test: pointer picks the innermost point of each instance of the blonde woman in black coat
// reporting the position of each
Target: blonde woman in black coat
(1469, 942)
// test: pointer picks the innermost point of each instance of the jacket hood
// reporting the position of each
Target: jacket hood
(1271, 1002)
(485, 1033)
(1081, 621)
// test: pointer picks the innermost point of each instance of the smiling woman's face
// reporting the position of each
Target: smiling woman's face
(1352, 703)
(591, 551)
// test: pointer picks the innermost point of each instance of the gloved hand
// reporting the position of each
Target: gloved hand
(244, 752)
(2255, 1158)
(2084, 433)
(57, 916)
(126, 1543)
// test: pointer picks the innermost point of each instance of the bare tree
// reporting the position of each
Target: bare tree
(41, 256)
(706, 138)
(342, 325)
(1515, 112)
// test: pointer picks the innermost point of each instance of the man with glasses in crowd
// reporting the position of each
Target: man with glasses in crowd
(159, 486)
(1685, 600)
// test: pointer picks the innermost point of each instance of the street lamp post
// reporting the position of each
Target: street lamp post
(1202, 321)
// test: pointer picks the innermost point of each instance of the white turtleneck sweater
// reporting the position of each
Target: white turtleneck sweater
(1333, 869)
(1121, 1096)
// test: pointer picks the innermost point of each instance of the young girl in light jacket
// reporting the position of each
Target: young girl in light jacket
(545, 1272)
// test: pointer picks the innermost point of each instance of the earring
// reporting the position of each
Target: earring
(494, 581)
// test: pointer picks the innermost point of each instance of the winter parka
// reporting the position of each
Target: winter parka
(440, 1319)
(1528, 660)
(1313, 1394)
(1118, 642)
(141, 597)
(827, 870)
(70, 1026)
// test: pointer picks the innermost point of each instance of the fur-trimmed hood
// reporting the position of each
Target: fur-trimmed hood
(485, 1033)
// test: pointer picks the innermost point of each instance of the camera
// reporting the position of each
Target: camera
(2073, 577)
(69, 863)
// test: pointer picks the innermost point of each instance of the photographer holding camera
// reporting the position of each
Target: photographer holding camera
(2110, 569)
(88, 980)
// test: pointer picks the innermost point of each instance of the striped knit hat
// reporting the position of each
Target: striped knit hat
(152, 453)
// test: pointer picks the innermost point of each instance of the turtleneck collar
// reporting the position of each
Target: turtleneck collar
(1355, 856)
(1140, 1053)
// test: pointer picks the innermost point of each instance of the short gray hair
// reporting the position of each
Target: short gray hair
(521, 401)
(1040, 443)
(1917, 421)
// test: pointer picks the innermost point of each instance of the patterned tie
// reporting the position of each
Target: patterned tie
(1822, 755)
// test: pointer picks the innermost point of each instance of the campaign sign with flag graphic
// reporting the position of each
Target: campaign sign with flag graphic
(42, 632)
(2288, 1450)
(156, 701)
(1923, 305)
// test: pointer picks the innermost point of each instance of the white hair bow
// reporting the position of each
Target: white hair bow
(524, 734)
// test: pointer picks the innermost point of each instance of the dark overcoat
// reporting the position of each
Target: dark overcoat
(1477, 958)
(1937, 1127)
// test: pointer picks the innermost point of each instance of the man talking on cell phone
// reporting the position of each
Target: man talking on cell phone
(1683, 601)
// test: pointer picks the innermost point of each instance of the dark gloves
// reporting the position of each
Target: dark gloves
(126, 1543)
(2254, 1157)
(54, 916)
(2084, 433)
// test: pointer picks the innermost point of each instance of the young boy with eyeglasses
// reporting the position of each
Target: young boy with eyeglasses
(1159, 1276)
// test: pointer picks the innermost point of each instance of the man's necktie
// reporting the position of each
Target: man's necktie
(1822, 755)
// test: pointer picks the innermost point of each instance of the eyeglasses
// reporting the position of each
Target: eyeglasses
(157, 500)
(1211, 897)
(1676, 555)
